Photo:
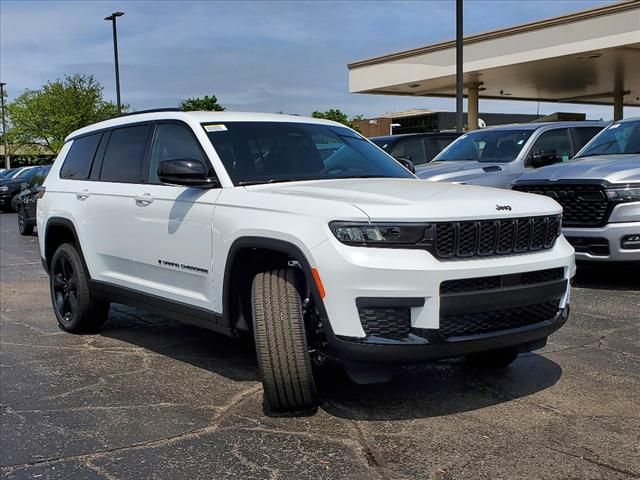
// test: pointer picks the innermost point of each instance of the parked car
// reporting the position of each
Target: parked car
(245, 224)
(11, 185)
(6, 172)
(418, 148)
(497, 156)
(26, 202)
(599, 191)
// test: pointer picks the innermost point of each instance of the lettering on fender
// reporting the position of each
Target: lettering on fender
(181, 266)
(503, 207)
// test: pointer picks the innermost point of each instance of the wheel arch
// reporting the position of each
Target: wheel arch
(277, 246)
(60, 230)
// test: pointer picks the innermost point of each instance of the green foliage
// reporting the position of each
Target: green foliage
(338, 116)
(206, 103)
(48, 115)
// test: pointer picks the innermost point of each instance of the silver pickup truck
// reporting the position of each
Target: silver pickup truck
(599, 191)
(497, 156)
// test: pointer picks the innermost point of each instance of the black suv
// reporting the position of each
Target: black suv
(11, 187)
(420, 148)
(26, 200)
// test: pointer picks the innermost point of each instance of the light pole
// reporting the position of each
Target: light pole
(7, 161)
(112, 19)
(459, 72)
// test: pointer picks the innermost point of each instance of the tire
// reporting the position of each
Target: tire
(75, 309)
(24, 228)
(493, 359)
(14, 203)
(281, 343)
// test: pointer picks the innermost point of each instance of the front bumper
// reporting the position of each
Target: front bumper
(415, 348)
(604, 244)
(5, 199)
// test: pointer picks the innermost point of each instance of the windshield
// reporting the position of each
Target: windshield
(264, 152)
(616, 139)
(486, 146)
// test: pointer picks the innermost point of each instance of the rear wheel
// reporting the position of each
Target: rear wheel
(76, 310)
(281, 342)
(23, 227)
(494, 358)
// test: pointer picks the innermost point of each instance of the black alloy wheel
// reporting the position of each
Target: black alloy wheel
(65, 289)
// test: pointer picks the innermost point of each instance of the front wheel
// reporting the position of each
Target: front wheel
(23, 227)
(493, 359)
(75, 308)
(281, 343)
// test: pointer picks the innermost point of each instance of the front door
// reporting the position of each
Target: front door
(172, 225)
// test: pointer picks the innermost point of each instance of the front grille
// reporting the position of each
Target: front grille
(594, 245)
(497, 321)
(583, 205)
(494, 282)
(494, 237)
(388, 322)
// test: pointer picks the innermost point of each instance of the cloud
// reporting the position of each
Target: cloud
(262, 55)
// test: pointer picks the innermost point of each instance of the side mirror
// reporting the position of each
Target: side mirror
(542, 158)
(190, 173)
(407, 163)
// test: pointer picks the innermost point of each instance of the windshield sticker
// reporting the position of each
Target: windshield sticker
(520, 142)
(615, 125)
(215, 128)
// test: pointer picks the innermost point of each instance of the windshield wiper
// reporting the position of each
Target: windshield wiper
(270, 180)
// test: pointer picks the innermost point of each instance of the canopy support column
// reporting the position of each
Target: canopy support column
(472, 106)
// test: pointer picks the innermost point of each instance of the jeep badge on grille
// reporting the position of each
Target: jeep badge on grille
(503, 207)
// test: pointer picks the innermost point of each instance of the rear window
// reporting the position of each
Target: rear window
(77, 163)
(585, 134)
(124, 155)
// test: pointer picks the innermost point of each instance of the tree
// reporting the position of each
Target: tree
(337, 116)
(206, 103)
(46, 116)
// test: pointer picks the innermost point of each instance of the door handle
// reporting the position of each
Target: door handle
(144, 199)
(83, 195)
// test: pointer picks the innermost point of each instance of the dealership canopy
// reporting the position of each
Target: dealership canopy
(592, 56)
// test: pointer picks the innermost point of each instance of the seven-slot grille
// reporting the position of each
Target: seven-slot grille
(583, 205)
(495, 237)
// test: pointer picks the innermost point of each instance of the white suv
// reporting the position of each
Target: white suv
(303, 234)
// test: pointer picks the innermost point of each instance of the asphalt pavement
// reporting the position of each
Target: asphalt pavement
(152, 398)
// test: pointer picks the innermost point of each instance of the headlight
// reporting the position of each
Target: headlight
(624, 194)
(383, 234)
(4, 188)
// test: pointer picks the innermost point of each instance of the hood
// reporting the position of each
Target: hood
(395, 199)
(612, 168)
(457, 171)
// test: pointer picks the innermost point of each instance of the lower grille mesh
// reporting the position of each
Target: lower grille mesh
(388, 322)
(489, 322)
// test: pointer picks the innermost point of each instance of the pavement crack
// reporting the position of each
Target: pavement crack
(595, 462)
(193, 433)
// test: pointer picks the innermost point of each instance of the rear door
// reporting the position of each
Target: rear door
(557, 140)
(108, 198)
(172, 225)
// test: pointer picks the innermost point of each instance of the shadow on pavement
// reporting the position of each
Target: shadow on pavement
(608, 276)
(420, 391)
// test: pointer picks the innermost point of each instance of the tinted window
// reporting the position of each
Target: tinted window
(38, 179)
(554, 141)
(616, 139)
(77, 163)
(486, 146)
(412, 148)
(584, 134)
(259, 152)
(435, 145)
(124, 155)
(172, 142)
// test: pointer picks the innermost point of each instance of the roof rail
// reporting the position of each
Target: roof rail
(152, 110)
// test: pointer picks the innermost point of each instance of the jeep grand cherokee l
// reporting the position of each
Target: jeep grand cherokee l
(247, 224)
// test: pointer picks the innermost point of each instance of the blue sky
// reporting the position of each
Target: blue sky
(255, 56)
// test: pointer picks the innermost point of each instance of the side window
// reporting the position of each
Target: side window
(584, 135)
(77, 163)
(124, 155)
(435, 145)
(172, 141)
(413, 148)
(554, 141)
(38, 178)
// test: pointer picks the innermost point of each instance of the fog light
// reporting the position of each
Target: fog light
(630, 241)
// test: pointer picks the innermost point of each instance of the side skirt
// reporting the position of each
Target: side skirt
(183, 312)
